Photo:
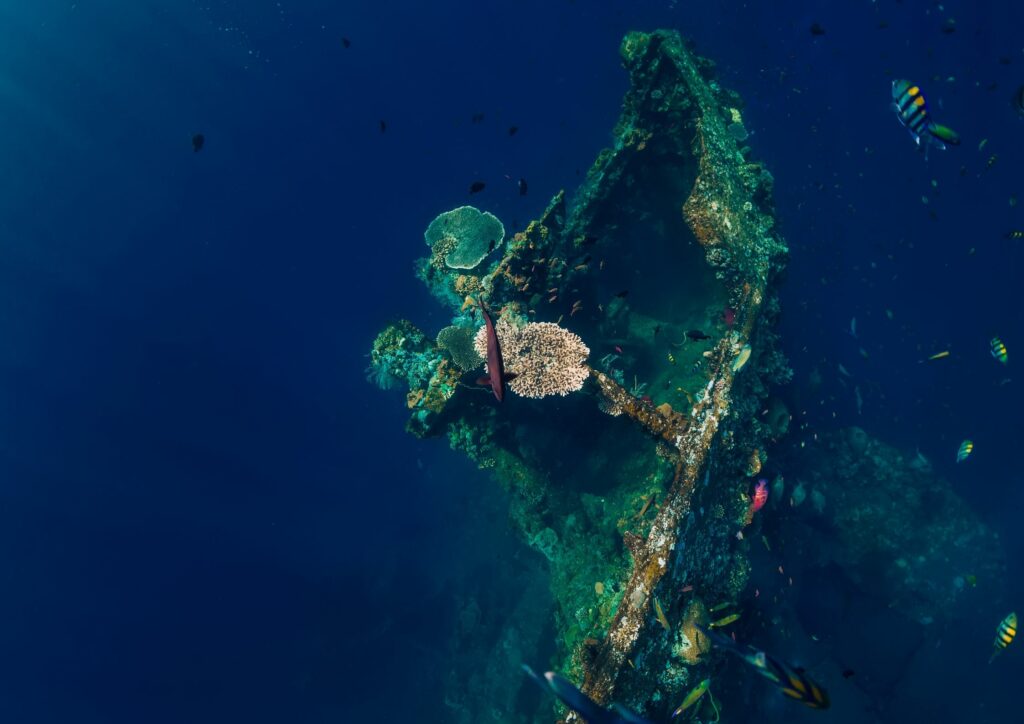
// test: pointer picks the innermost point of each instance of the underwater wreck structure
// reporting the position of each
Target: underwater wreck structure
(634, 478)
(634, 486)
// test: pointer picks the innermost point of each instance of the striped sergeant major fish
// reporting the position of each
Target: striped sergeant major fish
(999, 350)
(793, 682)
(964, 451)
(912, 110)
(1005, 632)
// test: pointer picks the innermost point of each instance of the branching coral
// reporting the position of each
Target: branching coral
(546, 359)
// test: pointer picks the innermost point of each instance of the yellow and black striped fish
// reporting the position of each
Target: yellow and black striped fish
(912, 110)
(999, 350)
(1004, 634)
(793, 682)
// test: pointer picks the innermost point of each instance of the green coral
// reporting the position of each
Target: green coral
(463, 237)
(458, 342)
(401, 352)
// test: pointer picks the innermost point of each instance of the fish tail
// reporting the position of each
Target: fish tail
(719, 639)
(944, 134)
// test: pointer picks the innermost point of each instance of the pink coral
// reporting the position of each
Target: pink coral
(546, 359)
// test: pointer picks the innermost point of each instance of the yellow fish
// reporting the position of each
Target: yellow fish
(659, 613)
(940, 355)
(1005, 632)
(693, 697)
(725, 621)
(741, 358)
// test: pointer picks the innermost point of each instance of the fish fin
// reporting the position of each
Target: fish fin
(579, 702)
(945, 134)
(537, 678)
(628, 716)
(509, 376)
(718, 639)
(483, 381)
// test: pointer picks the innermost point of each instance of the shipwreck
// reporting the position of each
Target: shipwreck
(638, 319)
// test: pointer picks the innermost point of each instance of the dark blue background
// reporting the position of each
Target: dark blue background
(206, 514)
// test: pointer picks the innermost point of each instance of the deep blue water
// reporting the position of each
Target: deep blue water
(208, 515)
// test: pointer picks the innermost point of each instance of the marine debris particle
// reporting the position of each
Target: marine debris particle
(546, 359)
(465, 236)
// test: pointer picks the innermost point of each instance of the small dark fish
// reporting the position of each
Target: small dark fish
(623, 294)
(848, 673)
(476, 187)
(588, 240)
(883, 24)
(383, 126)
(490, 247)
(1005, 60)
(522, 187)
(949, 27)
(816, 29)
(513, 130)
(198, 141)
(657, 328)
(696, 335)
(1018, 100)
(478, 118)
(346, 43)
(991, 161)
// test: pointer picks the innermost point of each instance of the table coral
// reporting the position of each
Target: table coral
(463, 237)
